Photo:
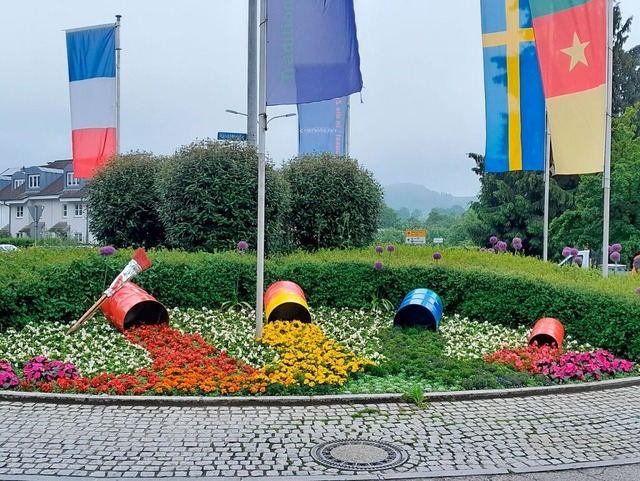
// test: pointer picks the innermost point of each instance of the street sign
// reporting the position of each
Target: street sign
(36, 212)
(231, 136)
(415, 236)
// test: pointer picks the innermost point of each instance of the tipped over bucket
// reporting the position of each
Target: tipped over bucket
(420, 308)
(132, 306)
(285, 300)
(547, 331)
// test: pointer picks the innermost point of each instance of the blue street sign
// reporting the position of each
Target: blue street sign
(231, 136)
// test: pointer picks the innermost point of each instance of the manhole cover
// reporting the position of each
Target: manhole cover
(358, 454)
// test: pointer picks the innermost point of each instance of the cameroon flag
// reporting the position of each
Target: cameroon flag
(571, 39)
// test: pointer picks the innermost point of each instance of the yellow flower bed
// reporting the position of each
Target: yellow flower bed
(307, 357)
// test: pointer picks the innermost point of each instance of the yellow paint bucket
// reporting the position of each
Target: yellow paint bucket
(285, 300)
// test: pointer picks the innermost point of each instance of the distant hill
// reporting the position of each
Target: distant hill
(416, 196)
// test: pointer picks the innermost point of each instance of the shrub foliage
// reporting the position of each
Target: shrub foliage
(209, 198)
(334, 202)
(122, 202)
(498, 288)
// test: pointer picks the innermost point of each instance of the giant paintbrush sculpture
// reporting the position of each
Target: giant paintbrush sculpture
(139, 263)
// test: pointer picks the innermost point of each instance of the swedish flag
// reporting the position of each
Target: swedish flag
(514, 100)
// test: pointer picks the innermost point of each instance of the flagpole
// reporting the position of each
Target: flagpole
(252, 67)
(348, 127)
(606, 175)
(547, 181)
(262, 133)
(118, 49)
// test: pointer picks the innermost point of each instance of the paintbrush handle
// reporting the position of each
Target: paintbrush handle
(87, 315)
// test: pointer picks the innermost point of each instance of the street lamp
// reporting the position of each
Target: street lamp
(235, 112)
(262, 122)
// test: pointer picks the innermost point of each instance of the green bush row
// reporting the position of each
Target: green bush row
(63, 291)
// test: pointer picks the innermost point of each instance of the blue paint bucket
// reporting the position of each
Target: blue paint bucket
(420, 308)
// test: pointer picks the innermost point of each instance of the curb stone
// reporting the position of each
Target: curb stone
(415, 475)
(445, 396)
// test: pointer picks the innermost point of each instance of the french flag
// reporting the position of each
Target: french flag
(91, 53)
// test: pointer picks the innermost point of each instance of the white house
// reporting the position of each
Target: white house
(44, 201)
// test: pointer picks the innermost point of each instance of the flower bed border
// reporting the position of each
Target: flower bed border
(444, 396)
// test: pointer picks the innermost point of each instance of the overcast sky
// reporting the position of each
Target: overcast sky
(184, 63)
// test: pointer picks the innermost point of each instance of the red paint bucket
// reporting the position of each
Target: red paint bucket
(285, 300)
(131, 306)
(547, 331)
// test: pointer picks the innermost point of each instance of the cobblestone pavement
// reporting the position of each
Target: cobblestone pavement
(488, 437)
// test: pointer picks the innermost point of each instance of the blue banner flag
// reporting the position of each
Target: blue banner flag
(312, 51)
(322, 127)
(514, 100)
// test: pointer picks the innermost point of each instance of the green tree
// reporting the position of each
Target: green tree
(388, 218)
(582, 226)
(122, 202)
(511, 204)
(626, 66)
(448, 224)
(334, 202)
(209, 197)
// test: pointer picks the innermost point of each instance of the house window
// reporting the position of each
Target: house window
(77, 236)
(71, 180)
(77, 210)
(17, 183)
(65, 210)
(34, 181)
(19, 212)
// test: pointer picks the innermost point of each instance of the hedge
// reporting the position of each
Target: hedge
(63, 291)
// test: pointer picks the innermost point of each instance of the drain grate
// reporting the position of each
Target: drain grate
(359, 454)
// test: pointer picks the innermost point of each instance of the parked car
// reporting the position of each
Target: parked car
(7, 248)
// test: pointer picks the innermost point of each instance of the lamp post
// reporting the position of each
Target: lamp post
(262, 122)
(235, 112)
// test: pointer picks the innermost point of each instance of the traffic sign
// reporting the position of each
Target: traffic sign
(231, 136)
(415, 236)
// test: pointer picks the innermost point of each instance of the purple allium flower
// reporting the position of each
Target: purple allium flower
(517, 243)
(242, 246)
(379, 249)
(501, 246)
(566, 251)
(437, 256)
(615, 256)
(107, 250)
(483, 249)
(577, 260)
(491, 249)
(616, 247)
(574, 251)
(637, 290)
(493, 239)
(391, 248)
(378, 265)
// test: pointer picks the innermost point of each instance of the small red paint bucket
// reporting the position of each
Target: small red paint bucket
(547, 331)
(132, 306)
